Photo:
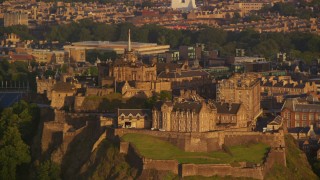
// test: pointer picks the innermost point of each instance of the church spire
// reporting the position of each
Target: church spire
(129, 41)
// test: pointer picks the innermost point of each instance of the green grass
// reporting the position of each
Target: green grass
(154, 148)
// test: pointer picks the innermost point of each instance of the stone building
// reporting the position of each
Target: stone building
(191, 113)
(134, 118)
(242, 88)
(129, 68)
(230, 114)
(62, 95)
(184, 77)
(285, 85)
(184, 117)
(44, 86)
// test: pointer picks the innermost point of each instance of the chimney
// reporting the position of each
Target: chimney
(178, 70)
(167, 70)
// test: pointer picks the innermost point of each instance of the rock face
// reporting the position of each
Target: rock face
(68, 141)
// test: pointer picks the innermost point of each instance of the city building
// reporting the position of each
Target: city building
(183, 4)
(15, 18)
(301, 112)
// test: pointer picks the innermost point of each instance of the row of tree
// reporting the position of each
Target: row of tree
(299, 45)
(302, 9)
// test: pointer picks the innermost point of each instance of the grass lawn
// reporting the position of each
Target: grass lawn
(154, 148)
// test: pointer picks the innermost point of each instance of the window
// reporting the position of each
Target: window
(130, 118)
(297, 124)
(304, 117)
(304, 124)
(311, 117)
(122, 118)
(297, 117)
(288, 123)
(287, 115)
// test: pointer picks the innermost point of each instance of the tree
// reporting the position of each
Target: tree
(13, 152)
(48, 170)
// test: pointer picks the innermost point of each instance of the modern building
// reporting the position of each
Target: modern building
(15, 18)
(183, 4)
(118, 47)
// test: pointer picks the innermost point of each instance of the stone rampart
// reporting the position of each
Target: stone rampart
(208, 170)
(215, 139)
(142, 163)
(100, 139)
(209, 141)
(161, 165)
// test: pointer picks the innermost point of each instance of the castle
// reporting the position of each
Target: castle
(242, 88)
(191, 113)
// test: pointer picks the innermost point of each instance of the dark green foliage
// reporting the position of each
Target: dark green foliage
(305, 45)
(300, 9)
(108, 163)
(13, 152)
(18, 126)
(48, 171)
(93, 55)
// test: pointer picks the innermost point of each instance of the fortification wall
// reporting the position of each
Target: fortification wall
(209, 141)
(208, 170)
(143, 163)
(100, 139)
(236, 138)
(212, 140)
(161, 165)
(78, 101)
(91, 91)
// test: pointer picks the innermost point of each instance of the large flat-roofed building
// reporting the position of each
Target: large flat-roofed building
(15, 18)
(118, 47)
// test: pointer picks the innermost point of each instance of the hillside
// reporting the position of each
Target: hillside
(297, 164)
(106, 161)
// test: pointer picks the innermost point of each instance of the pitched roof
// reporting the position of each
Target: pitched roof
(134, 112)
(194, 106)
(63, 87)
(226, 108)
(276, 121)
(190, 73)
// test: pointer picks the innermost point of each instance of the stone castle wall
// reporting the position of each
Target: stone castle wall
(209, 141)
(142, 163)
(208, 170)
(91, 91)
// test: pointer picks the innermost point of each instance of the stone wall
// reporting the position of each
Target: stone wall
(143, 163)
(274, 156)
(208, 170)
(91, 91)
(209, 141)
(161, 165)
